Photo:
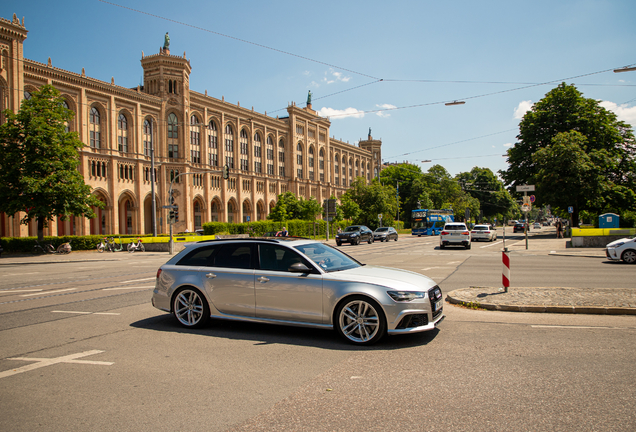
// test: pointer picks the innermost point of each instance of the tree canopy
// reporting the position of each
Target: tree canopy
(39, 162)
(290, 207)
(565, 128)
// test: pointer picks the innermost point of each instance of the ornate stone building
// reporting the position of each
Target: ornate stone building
(193, 136)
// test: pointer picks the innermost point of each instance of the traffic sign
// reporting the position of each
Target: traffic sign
(532, 198)
(380, 216)
(570, 209)
(525, 188)
(526, 208)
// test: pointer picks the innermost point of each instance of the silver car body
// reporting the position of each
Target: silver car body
(455, 234)
(622, 249)
(483, 232)
(302, 299)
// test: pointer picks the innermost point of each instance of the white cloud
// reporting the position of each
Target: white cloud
(522, 108)
(507, 145)
(623, 112)
(385, 106)
(340, 114)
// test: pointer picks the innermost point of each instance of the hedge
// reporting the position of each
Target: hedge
(25, 244)
(296, 227)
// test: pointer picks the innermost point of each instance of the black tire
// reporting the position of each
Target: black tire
(142, 247)
(629, 256)
(338, 243)
(37, 250)
(356, 242)
(100, 248)
(360, 320)
(441, 246)
(396, 237)
(370, 240)
(190, 308)
(468, 246)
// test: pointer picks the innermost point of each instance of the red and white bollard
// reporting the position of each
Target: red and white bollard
(505, 276)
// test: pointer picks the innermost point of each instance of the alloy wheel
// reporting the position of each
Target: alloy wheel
(629, 256)
(360, 321)
(190, 308)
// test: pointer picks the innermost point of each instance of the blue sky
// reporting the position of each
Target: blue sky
(426, 53)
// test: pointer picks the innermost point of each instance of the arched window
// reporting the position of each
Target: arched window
(299, 161)
(68, 127)
(195, 140)
(281, 158)
(173, 135)
(229, 146)
(27, 95)
(243, 140)
(147, 137)
(122, 133)
(213, 144)
(270, 155)
(95, 128)
(197, 215)
(257, 153)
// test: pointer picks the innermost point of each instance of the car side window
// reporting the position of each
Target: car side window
(234, 255)
(278, 258)
(203, 256)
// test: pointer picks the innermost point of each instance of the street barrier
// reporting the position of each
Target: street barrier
(505, 277)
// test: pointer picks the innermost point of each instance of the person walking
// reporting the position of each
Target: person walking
(559, 229)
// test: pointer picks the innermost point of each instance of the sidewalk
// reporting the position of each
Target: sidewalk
(604, 301)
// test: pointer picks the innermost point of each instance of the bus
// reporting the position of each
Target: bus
(430, 222)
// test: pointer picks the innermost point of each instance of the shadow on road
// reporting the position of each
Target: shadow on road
(262, 334)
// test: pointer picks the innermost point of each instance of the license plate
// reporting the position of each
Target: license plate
(437, 306)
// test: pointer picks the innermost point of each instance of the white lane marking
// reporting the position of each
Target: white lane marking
(579, 327)
(86, 313)
(491, 244)
(126, 288)
(453, 262)
(429, 268)
(20, 274)
(41, 362)
(139, 280)
(20, 291)
(49, 292)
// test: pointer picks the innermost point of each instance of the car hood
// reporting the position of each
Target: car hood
(623, 240)
(384, 276)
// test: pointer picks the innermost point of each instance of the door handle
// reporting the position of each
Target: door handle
(210, 275)
(263, 279)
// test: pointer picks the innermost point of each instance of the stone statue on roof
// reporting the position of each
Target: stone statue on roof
(309, 98)
(166, 43)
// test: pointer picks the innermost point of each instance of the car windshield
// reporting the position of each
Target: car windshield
(381, 230)
(480, 228)
(352, 228)
(328, 258)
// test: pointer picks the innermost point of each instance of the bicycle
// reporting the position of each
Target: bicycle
(64, 248)
(139, 246)
(102, 245)
(43, 249)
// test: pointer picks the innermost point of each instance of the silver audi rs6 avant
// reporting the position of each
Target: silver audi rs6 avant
(296, 282)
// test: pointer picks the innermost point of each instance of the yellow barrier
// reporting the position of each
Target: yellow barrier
(597, 232)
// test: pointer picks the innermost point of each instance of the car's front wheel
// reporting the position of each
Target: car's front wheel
(629, 256)
(190, 308)
(370, 239)
(338, 243)
(360, 320)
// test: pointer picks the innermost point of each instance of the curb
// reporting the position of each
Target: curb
(577, 255)
(590, 310)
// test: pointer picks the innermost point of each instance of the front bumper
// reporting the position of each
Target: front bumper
(612, 254)
(346, 239)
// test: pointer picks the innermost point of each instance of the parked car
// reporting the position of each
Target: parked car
(512, 222)
(385, 234)
(623, 249)
(519, 227)
(355, 234)
(536, 225)
(483, 232)
(297, 282)
(454, 234)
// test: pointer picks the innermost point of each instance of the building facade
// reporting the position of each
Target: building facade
(190, 137)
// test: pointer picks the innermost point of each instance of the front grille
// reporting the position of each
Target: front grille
(437, 314)
(435, 295)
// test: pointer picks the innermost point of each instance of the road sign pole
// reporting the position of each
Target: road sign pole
(525, 194)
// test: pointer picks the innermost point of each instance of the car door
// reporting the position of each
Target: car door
(229, 279)
(283, 295)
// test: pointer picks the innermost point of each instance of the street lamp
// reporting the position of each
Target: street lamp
(171, 243)
(625, 69)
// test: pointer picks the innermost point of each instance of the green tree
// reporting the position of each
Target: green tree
(39, 163)
(372, 199)
(310, 208)
(609, 145)
(350, 209)
(411, 186)
(483, 184)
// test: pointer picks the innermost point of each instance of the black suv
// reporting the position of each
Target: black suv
(355, 234)
(519, 228)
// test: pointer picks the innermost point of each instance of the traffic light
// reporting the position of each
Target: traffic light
(171, 217)
(176, 213)
(226, 172)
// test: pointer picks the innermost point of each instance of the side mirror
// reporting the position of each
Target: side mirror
(299, 268)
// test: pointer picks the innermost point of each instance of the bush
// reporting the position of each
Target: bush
(25, 244)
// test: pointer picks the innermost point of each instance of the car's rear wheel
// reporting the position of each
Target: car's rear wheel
(441, 246)
(629, 256)
(338, 243)
(360, 320)
(468, 246)
(190, 308)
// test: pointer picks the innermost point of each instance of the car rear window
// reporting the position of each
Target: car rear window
(480, 228)
(381, 229)
(456, 227)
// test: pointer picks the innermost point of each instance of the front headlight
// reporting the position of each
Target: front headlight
(616, 245)
(406, 296)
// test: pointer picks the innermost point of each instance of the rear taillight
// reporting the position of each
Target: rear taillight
(444, 233)
(474, 232)
(466, 233)
(158, 273)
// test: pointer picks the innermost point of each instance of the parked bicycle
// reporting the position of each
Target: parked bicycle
(64, 248)
(103, 245)
(43, 248)
(139, 246)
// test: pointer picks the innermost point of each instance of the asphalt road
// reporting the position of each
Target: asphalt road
(81, 348)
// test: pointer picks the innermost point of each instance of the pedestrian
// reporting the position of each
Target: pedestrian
(284, 232)
(559, 229)
(339, 230)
